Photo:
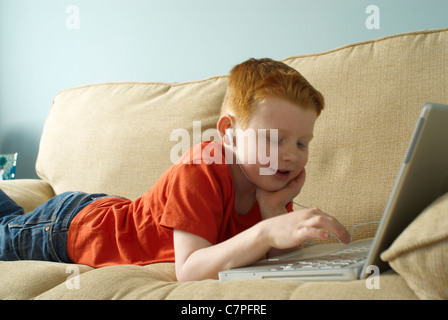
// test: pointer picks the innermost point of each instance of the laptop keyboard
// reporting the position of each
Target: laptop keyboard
(335, 260)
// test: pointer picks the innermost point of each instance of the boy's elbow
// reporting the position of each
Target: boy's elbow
(183, 274)
(186, 274)
(183, 277)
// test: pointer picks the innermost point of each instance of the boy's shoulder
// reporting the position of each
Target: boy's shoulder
(205, 160)
(207, 152)
(199, 172)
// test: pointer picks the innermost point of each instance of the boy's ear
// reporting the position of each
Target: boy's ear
(225, 122)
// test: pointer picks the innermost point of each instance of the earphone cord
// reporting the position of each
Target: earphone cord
(241, 168)
(239, 164)
(310, 243)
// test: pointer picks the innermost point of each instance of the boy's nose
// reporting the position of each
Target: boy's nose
(290, 154)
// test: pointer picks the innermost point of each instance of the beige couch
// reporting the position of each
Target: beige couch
(115, 138)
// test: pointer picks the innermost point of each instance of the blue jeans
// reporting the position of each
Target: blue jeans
(42, 233)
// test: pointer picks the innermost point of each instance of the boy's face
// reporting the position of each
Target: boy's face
(295, 126)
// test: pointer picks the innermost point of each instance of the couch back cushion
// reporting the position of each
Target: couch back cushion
(115, 137)
(374, 93)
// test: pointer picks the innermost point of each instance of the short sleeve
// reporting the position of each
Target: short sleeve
(196, 197)
(289, 207)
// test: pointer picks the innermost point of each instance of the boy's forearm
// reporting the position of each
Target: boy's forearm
(198, 259)
(241, 250)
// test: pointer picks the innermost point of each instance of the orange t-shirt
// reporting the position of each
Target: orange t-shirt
(196, 198)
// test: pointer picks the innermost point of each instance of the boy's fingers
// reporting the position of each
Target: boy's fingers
(311, 233)
(296, 184)
(321, 220)
(300, 179)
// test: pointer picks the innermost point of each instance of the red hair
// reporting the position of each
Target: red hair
(254, 81)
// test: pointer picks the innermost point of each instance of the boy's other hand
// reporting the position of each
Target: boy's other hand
(273, 203)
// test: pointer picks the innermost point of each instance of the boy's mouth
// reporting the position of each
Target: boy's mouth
(282, 174)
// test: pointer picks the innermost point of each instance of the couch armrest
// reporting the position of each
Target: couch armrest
(28, 193)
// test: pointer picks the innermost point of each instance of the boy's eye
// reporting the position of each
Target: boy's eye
(301, 145)
(279, 141)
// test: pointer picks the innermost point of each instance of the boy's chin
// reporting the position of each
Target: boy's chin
(272, 187)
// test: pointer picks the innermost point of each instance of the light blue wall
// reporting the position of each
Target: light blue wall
(165, 40)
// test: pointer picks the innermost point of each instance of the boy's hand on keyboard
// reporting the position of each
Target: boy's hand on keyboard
(290, 230)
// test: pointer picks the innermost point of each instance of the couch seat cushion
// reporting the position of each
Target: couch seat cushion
(51, 280)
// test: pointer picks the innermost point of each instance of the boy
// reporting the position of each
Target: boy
(205, 215)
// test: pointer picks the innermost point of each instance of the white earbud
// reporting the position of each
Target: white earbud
(229, 134)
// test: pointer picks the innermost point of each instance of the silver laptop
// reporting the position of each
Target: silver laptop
(422, 178)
